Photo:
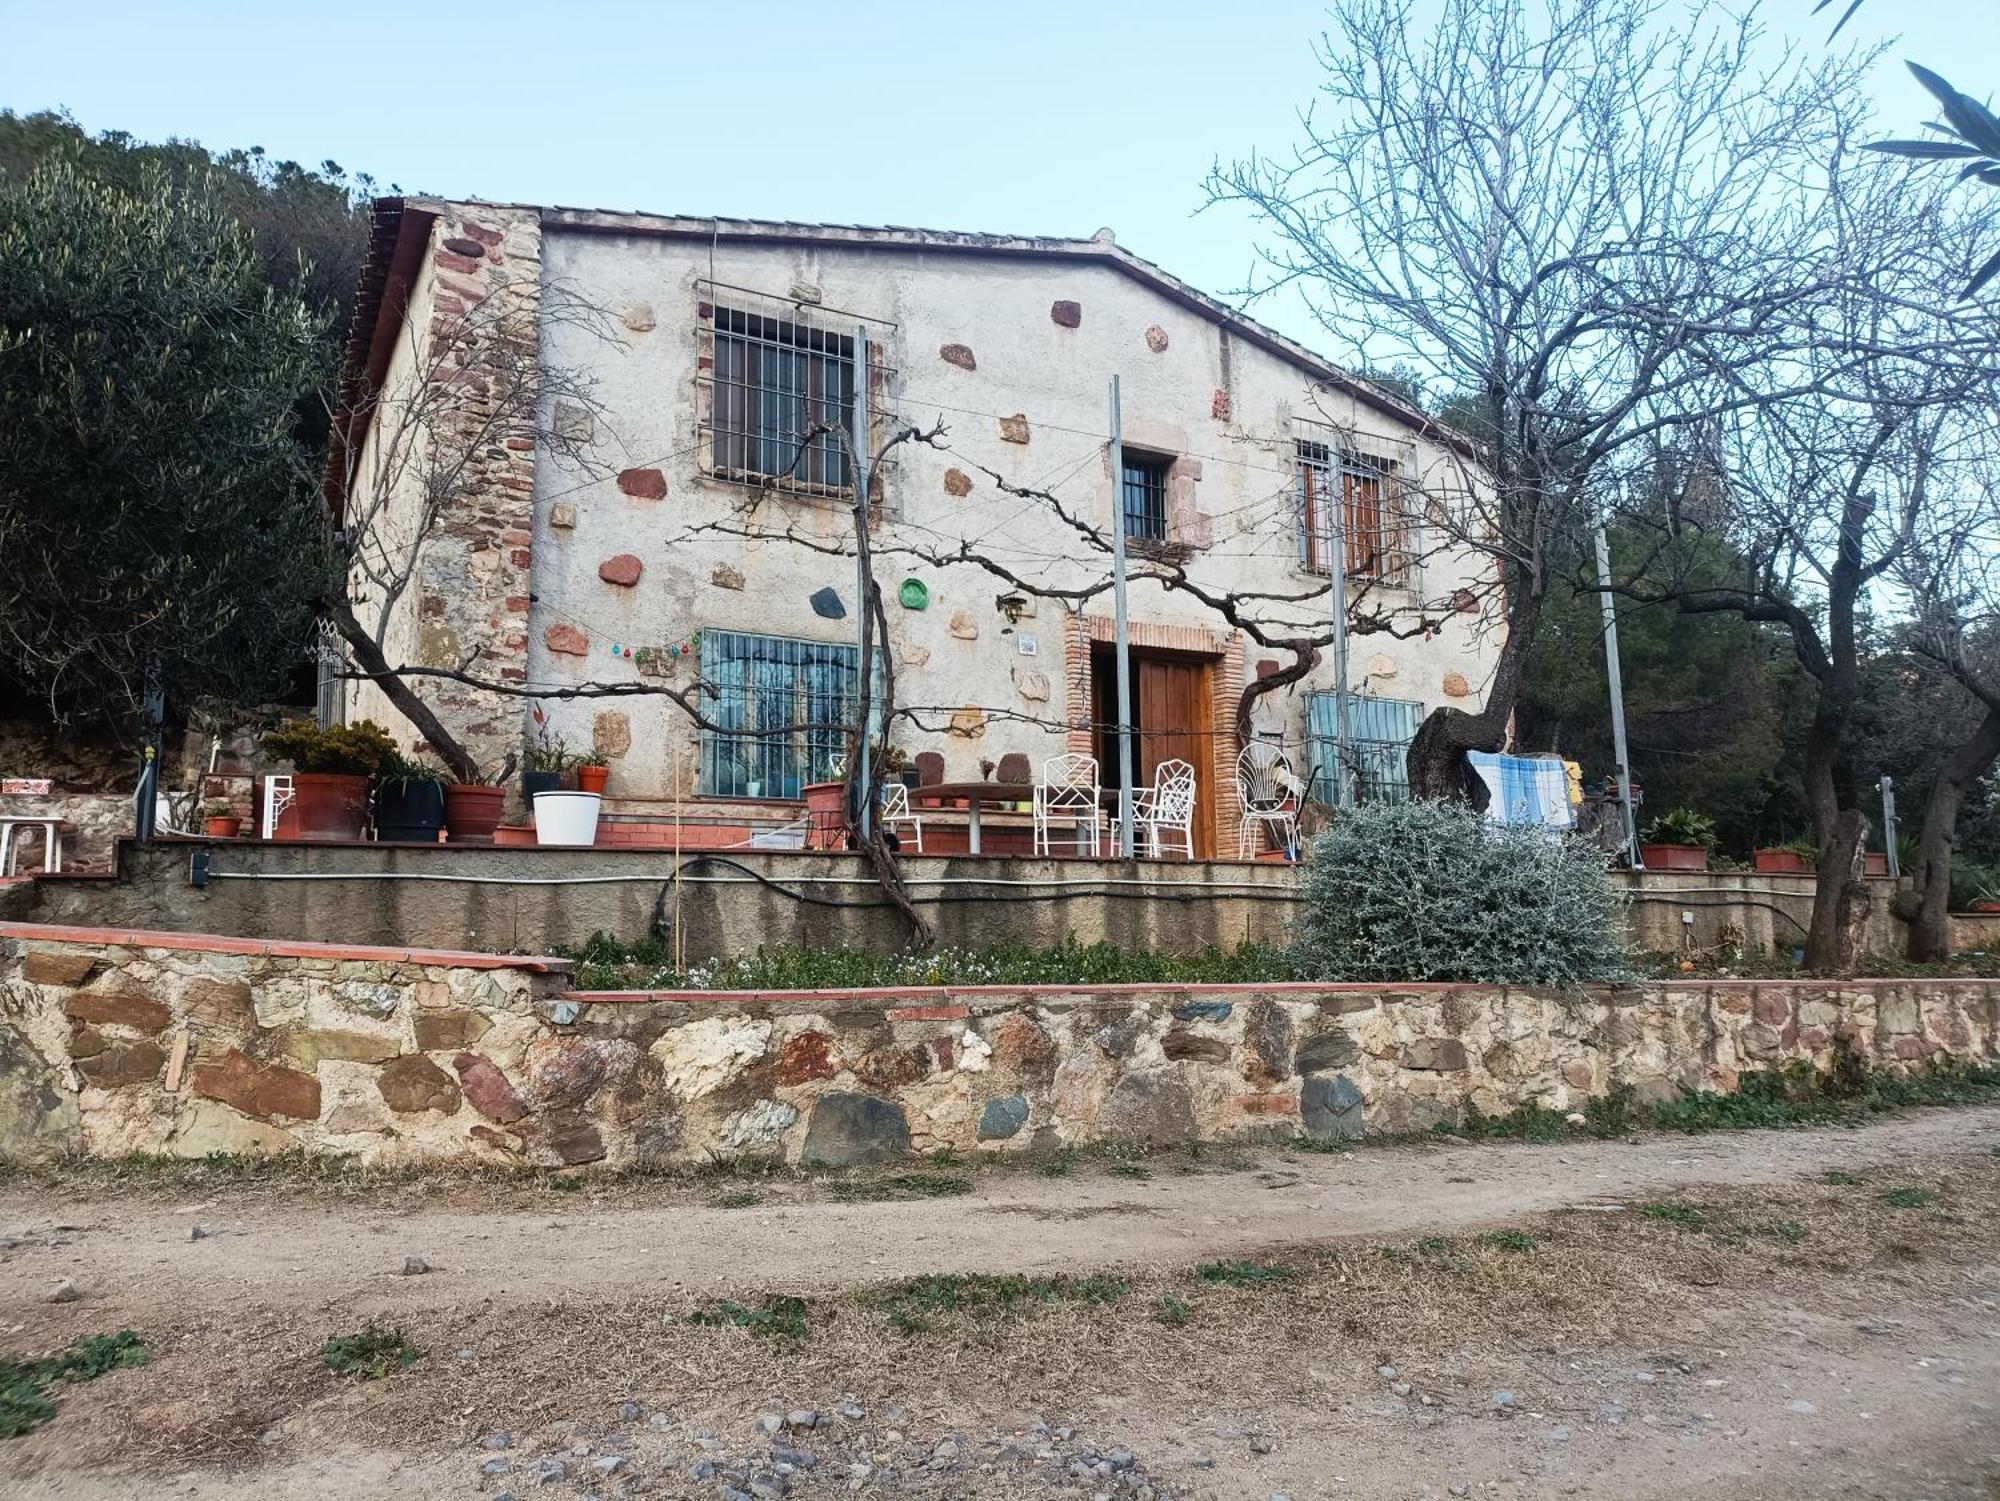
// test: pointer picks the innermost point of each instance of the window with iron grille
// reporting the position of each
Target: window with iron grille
(1145, 491)
(1379, 732)
(776, 380)
(1374, 528)
(783, 707)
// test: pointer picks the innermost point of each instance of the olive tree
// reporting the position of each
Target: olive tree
(158, 523)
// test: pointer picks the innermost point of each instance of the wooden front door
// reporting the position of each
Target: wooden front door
(1170, 712)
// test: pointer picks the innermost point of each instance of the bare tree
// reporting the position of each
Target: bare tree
(1592, 227)
(474, 395)
(1841, 500)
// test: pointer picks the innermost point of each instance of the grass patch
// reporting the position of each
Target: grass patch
(1313, 1144)
(912, 1306)
(900, 1186)
(1510, 1240)
(779, 1318)
(1174, 1312)
(1789, 1231)
(1796, 1095)
(1240, 1273)
(738, 1198)
(26, 1385)
(369, 1355)
(1907, 1198)
(1684, 1215)
(1840, 1177)
(1127, 1169)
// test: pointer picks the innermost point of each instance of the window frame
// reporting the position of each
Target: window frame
(783, 764)
(1156, 470)
(1376, 529)
(758, 360)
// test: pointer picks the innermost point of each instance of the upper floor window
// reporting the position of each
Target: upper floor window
(1361, 491)
(779, 386)
(1145, 495)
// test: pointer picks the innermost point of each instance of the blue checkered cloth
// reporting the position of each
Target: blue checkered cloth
(1525, 790)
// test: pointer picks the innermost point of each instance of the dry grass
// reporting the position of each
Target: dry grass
(1449, 1312)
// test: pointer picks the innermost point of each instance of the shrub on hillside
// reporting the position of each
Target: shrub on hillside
(1432, 891)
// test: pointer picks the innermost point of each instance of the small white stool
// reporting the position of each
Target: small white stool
(13, 825)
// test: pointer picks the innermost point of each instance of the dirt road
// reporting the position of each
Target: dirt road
(1684, 1316)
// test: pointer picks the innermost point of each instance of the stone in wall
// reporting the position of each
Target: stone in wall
(1031, 685)
(959, 355)
(640, 318)
(963, 626)
(725, 577)
(263, 1090)
(1156, 339)
(1065, 314)
(621, 570)
(562, 516)
(855, 1130)
(643, 484)
(1455, 685)
(957, 483)
(1014, 429)
(611, 733)
(412, 1083)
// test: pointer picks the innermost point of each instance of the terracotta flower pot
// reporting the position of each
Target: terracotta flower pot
(592, 778)
(1781, 862)
(1876, 865)
(472, 812)
(330, 804)
(1674, 856)
(222, 826)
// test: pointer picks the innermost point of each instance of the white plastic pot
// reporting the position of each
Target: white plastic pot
(566, 817)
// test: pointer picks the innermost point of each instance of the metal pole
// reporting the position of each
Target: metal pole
(1615, 677)
(1123, 633)
(864, 792)
(1889, 826)
(1336, 511)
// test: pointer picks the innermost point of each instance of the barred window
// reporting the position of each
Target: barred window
(783, 707)
(1145, 492)
(1376, 531)
(775, 382)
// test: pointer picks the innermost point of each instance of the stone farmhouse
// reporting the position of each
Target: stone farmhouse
(695, 524)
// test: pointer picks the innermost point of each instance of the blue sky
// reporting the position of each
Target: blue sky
(1034, 117)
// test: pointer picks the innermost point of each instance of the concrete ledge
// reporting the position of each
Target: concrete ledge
(260, 948)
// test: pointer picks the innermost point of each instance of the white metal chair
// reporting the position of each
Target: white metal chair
(279, 794)
(1166, 808)
(1270, 794)
(896, 812)
(1068, 794)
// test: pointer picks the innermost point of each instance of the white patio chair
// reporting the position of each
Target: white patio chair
(896, 812)
(279, 794)
(1068, 794)
(1270, 795)
(1166, 809)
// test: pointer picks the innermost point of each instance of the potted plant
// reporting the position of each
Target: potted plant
(898, 767)
(331, 768)
(1795, 857)
(593, 770)
(409, 800)
(222, 826)
(548, 759)
(472, 810)
(1875, 863)
(1678, 840)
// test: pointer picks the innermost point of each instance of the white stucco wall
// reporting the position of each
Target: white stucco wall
(999, 307)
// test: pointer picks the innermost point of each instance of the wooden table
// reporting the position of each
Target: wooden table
(973, 795)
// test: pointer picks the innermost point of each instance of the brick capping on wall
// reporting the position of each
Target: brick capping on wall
(271, 948)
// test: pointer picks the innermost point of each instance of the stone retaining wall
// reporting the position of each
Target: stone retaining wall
(114, 1042)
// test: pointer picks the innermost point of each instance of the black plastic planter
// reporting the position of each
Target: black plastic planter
(409, 812)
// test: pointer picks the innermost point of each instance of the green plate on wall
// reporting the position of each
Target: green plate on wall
(913, 594)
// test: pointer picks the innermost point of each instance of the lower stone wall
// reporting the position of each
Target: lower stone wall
(118, 1042)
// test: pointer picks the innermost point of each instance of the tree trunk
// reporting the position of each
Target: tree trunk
(1927, 905)
(1436, 758)
(368, 657)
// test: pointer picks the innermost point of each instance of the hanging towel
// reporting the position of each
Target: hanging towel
(1524, 790)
